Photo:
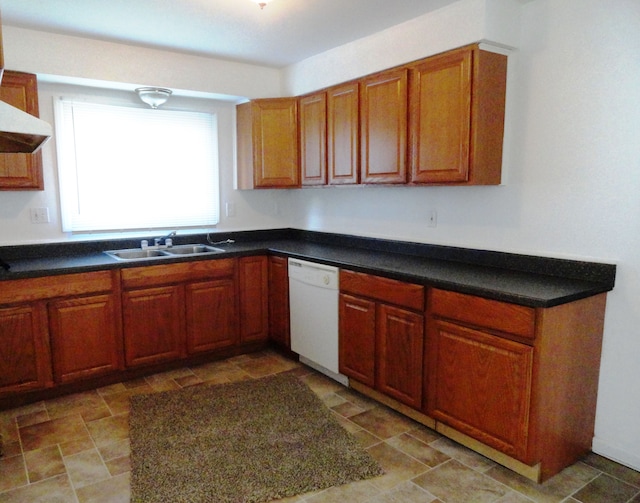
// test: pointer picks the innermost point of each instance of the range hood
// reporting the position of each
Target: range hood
(21, 132)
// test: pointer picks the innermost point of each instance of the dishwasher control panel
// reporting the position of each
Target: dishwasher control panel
(314, 274)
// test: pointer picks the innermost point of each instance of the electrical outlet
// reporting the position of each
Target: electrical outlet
(230, 209)
(40, 216)
(432, 219)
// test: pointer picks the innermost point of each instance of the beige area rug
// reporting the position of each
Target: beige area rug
(250, 441)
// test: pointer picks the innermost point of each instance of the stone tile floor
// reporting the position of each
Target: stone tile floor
(75, 449)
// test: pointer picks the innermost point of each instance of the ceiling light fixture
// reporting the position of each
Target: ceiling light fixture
(261, 3)
(154, 96)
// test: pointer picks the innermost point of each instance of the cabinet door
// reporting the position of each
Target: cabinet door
(212, 317)
(357, 338)
(480, 384)
(441, 118)
(267, 136)
(383, 127)
(254, 299)
(313, 139)
(21, 171)
(25, 358)
(400, 341)
(457, 117)
(342, 134)
(85, 337)
(153, 325)
(279, 331)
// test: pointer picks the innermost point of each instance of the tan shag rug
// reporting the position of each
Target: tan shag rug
(250, 441)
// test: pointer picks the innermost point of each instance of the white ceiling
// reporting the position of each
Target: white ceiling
(284, 32)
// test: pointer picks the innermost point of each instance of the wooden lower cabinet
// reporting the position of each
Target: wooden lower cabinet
(212, 315)
(279, 324)
(25, 358)
(171, 311)
(400, 341)
(381, 338)
(58, 329)
(357, 338)
(481, 385)
(86, 337)
(153, 325)
(517, 384)
(254, 298)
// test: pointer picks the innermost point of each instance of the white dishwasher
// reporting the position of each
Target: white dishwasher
(313, 308)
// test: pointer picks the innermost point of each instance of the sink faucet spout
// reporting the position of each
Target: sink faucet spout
(163, 240)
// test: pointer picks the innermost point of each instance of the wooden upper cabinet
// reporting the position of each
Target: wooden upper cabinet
(267, 140)
(312, 116)
(383, 127)
(21, 171)
(457, 117)
(343, 134)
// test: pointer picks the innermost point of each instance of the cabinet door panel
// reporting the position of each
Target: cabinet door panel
(279, 330)
(400, 354)
(342, 134)
(212, 320)
(480, 384)
(85, 337)
(153, 325)
(383, 123)
(254, 299)
(357, 339)
(313, 139)
(21, 171)
(441, 118)
(25, 359)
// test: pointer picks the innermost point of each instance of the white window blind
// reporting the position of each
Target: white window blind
(123, 168)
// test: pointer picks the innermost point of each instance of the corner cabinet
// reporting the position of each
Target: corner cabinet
(457, 102)
(21, 171)
(267, 142)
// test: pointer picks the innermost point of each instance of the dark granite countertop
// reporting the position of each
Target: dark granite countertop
(521, 279)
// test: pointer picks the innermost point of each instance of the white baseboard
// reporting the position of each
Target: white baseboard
(616, 453)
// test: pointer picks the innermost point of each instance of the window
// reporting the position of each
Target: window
(124, 168)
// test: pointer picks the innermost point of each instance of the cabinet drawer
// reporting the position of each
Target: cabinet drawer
(386, 290)
(49, 287)
(491, 314)
(148, 276)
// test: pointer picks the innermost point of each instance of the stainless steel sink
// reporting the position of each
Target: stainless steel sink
(159, 253)
(192, 249)
(136, 254)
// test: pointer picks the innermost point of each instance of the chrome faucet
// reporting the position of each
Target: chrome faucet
(163, 240)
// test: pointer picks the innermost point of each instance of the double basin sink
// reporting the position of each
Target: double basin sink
(159, 253)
